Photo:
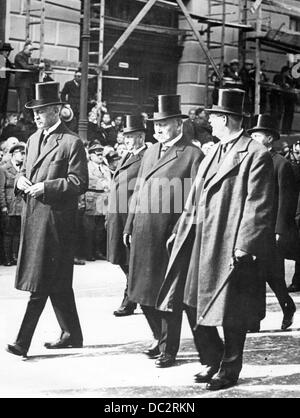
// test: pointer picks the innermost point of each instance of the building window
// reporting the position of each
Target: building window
(295, 24)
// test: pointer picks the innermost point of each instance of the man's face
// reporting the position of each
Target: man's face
(5, 53)
(263, 138)
(166, 130)
(78, 77)
(132, 141)
(13, 119)
(46, 117)
(118, 121)
(19, 156)
(192, 114)
(218, 123)
(96, 157)
(27, 51)
(106, 119)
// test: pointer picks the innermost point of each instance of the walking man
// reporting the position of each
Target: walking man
(285, 204)
(220, 243)
(122, 188)
(53, 176)
(165, 177)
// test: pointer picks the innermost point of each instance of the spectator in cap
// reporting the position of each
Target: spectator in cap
(233, 70)
(96, 204)
(5, 50)
(10, 204)
(25, 81)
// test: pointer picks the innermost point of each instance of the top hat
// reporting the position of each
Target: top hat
(6, 47)
(133, 124)
(17, 147)
(230, 102)
(166, 107)
(46, 94)
(265, 123)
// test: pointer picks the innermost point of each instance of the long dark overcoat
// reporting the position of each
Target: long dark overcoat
(46, 254)
(154, 214)
(122, 187)
(236, 213)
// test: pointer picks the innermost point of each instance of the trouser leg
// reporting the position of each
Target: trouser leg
(126, 302)
(276, 281)
(170, 331)
(32, 315)
(67, 316)
(154, 320)
(16, 236)
(232, 362)
(207, 340)
(296, 277)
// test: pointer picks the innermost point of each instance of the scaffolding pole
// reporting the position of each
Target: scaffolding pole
(101, 50)
(42, 37)
(83, 121)
(28, 5)
(258, 59)
(223, 39)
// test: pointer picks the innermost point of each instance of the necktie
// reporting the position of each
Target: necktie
(43, 141)
(164, 149)
(223, 149)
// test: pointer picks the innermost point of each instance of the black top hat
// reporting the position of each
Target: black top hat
(266, 123)
(6, 47)
(133, 124)
(231, 102)
(46, 94)
(167, 106)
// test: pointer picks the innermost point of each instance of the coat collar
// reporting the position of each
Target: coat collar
(234, 157)
(125, 163)
(170, 155)
(52, 143)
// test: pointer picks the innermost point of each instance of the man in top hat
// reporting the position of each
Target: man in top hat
(54, 174)
(10, 204)
(5, 50)
(24, 81)
(285, 231)
(220, 242)
(165, 177)
(122, 188)
(96, 204)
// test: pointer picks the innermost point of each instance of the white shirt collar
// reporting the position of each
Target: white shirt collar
(137, 151)
(52, 129)
(234, 136)
(173, 141)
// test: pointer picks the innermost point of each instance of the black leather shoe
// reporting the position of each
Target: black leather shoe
(165, 360)
(8, 264)
(153, 351)
(16, 350)
(124, 311)
(288, 315)
(293, 288)
(206, 375)
(79, 262)
(91, 259)
(63, 343)
(221, 381)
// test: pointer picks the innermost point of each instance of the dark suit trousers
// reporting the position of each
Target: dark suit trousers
(276, 279)
(166, 328)
(126, 303)
(212, 351)
(65, 310)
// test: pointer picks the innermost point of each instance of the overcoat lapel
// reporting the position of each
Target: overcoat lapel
(169, 156)
(127, 163)
(234, 157)
(52, 143)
